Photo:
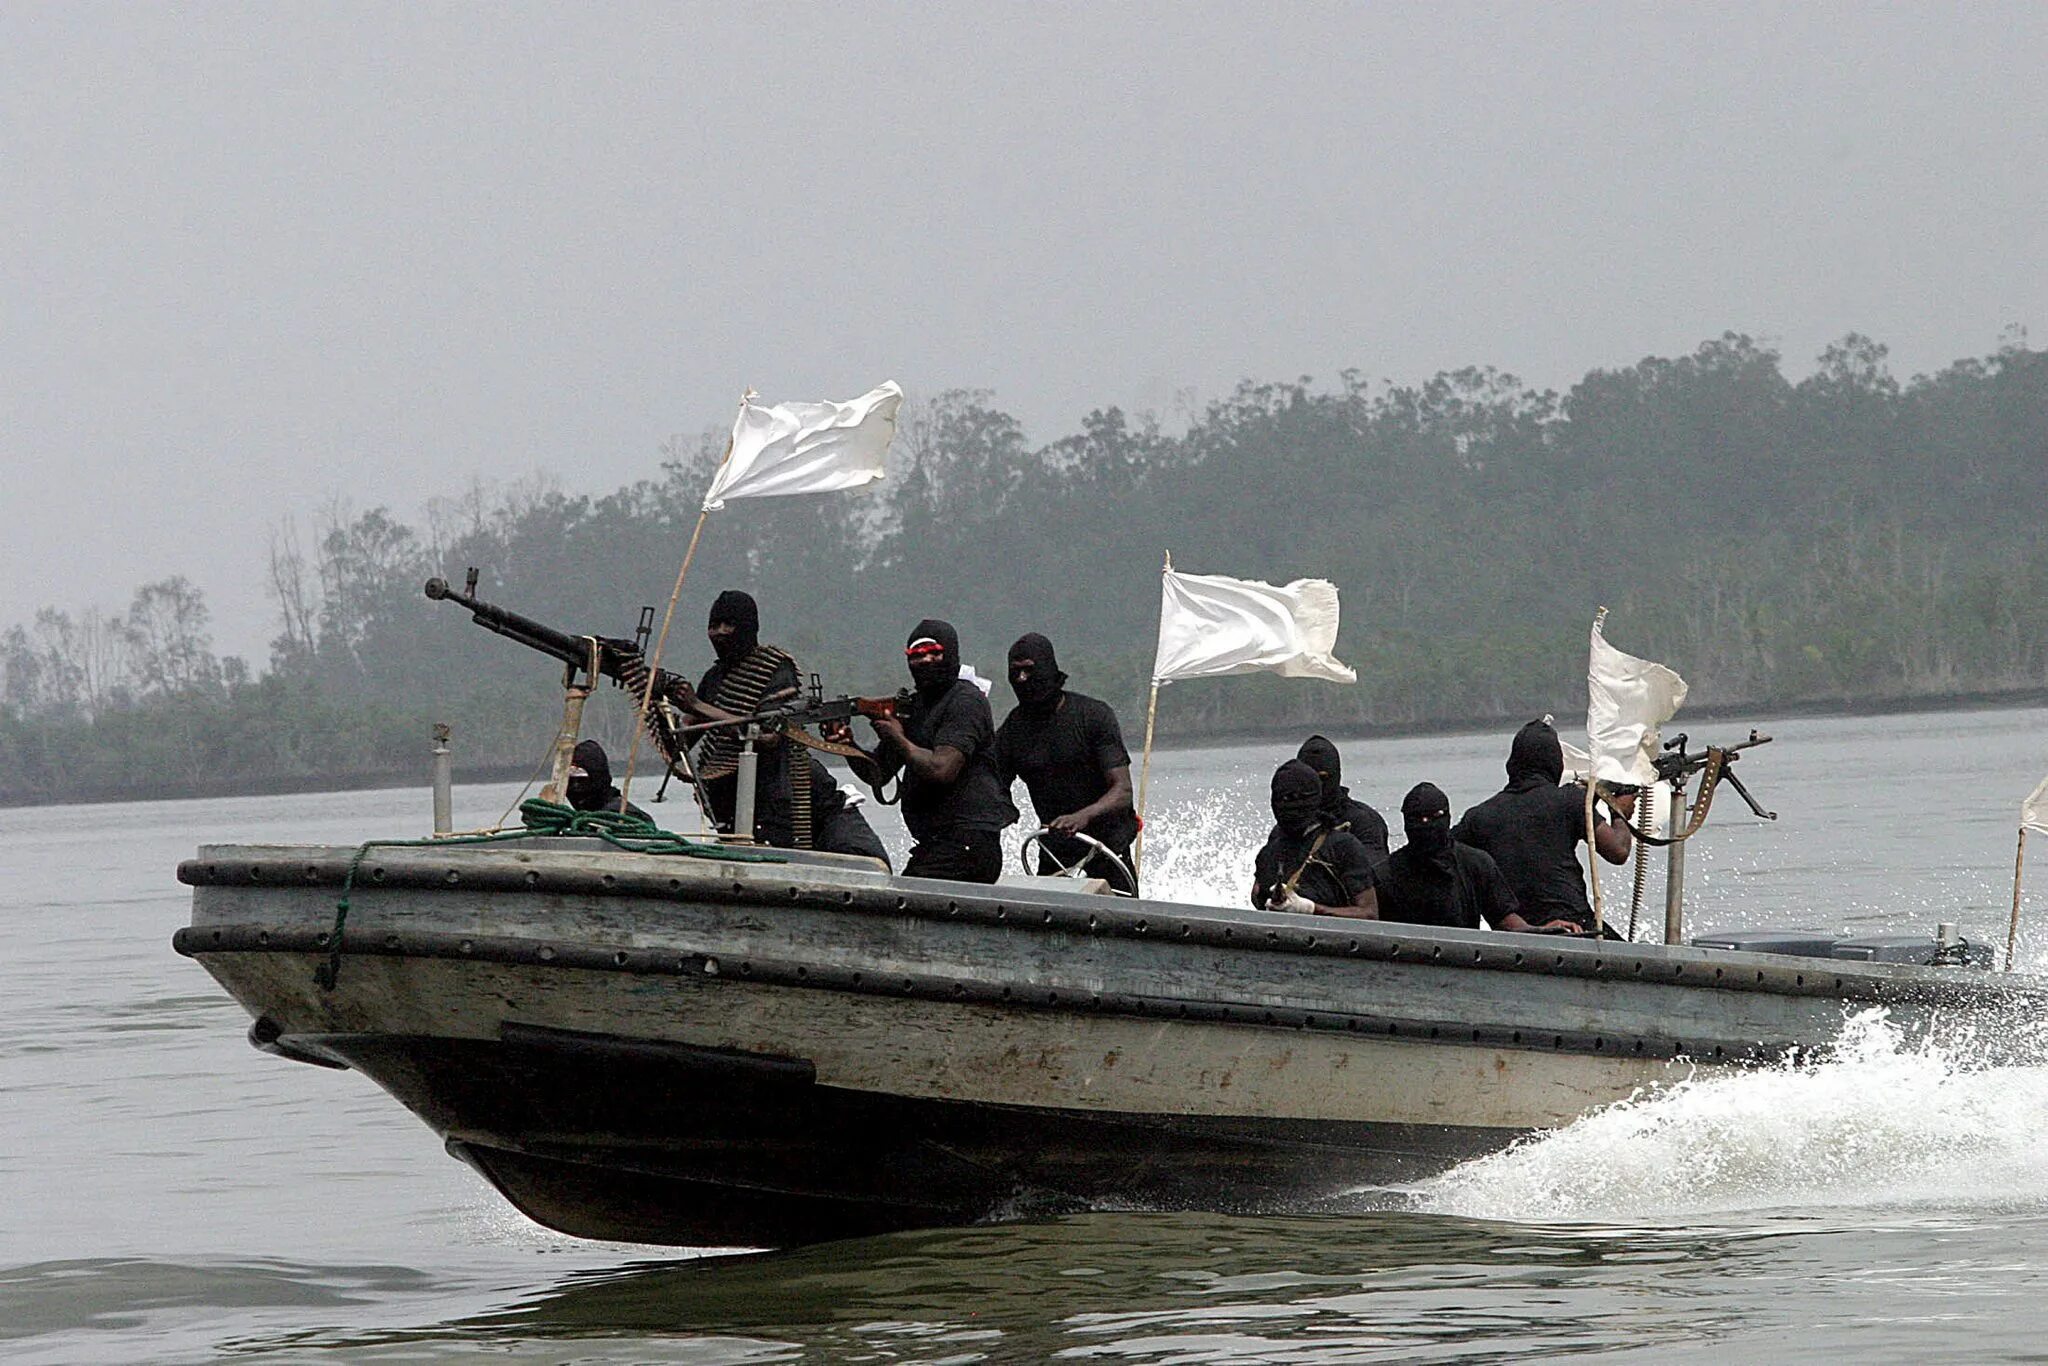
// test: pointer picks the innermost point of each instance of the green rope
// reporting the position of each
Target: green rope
(544, 819)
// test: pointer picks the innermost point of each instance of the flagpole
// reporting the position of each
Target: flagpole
(1145, 778)
(2012, 935)
(1145, 769)
(1592, 792)
(661, 641)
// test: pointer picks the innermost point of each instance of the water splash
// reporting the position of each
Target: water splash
(1199, 851)
(1881, 1123)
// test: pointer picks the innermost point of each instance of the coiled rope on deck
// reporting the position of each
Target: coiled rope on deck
(543, 819)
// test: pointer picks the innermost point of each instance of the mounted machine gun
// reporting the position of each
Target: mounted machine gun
(1676, 767)
(586, 658)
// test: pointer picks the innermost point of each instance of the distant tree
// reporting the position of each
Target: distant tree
(295, 590)
(166, 631)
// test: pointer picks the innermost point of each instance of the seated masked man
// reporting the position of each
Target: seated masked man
(1533, 827)
(1435, 880)
(1070, 753)
(1342, 809)
(1308, 866)
(590, 786)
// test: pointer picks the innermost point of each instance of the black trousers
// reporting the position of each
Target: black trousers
(969, 856)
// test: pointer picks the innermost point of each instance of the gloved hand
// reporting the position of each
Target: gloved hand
(1290, 901)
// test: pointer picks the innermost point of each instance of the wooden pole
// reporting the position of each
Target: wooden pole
(654, 664)
(1593, 856)
(1144, 779)
(2012, 935)
(1145, 769)
(1592, 791)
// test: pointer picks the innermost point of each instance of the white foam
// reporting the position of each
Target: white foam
(1882, 1123)
(1199, 852)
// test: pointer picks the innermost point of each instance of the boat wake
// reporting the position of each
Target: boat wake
(1882, 1123)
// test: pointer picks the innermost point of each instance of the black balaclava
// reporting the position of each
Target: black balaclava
(1320, 755)
(1046, 680)
(1536, 759)
(933, 673)
(590, 777)
(1297, 797)
(739, 609)
(1426, 813)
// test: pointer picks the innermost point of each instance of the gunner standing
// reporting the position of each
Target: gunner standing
(943, 744)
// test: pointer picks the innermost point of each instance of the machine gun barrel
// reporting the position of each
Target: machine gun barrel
(528, 632)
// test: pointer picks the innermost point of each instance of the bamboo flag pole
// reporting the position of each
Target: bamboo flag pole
(1145, 769)
(661, 640)
(2012, 935)
(1592, 791)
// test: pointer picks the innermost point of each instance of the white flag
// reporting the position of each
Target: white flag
(806, 447)
(1627, 700)
(2034, 810)
(1210, 626)
(1578, 765)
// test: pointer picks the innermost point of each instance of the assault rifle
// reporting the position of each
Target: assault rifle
(812, 708)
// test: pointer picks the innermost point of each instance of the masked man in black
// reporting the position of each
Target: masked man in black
(1308, 866)
(1070, 753)
(746, 677)
(1340, 808)
(1434, 880)
(794, 806)
(1532, 828)
(590, 786)
(944, 746)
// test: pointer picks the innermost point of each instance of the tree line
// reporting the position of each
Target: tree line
(1840, 539)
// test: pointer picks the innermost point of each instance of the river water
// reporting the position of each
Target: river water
(169, 1194)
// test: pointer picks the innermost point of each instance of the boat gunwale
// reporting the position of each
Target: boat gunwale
(1039, 910)
(754, 969)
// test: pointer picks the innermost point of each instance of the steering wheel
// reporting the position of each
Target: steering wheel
(1095, 848)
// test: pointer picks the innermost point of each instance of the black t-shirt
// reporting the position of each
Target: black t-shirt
(1334, 875)
(1532, 830)
(975, 801)
(1413, 890)
(1366, 824)
(1064, 755)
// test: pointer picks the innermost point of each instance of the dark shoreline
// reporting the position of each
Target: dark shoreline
(369, 779)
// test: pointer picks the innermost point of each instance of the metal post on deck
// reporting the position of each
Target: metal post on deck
(745, 783)
(444, 781)
(1674, 872)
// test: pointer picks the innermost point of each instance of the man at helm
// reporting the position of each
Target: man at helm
(1070, 753)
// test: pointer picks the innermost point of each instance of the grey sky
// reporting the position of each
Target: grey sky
(256, 257)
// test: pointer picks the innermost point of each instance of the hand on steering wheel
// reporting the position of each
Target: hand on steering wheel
(1092, 849)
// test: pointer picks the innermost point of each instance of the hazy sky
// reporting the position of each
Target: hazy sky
(258, 257)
